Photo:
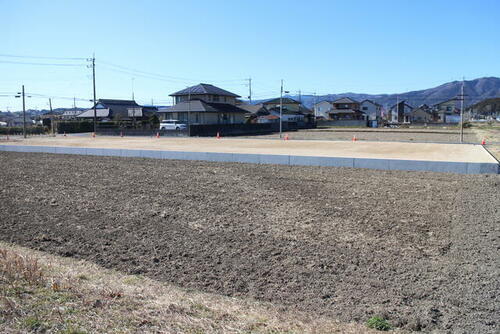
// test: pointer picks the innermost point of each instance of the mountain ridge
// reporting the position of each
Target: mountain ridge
(474, 90)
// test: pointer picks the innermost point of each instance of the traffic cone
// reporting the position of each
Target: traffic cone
(157, 135)
(218, 135)
(93, 134)
(483, 142)
(354, 138)
(286, 137)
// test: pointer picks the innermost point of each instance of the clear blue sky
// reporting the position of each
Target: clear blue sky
(316, 46)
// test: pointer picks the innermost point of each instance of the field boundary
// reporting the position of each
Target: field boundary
(291, 160)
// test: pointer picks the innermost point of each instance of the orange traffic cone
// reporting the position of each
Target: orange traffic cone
(158, 135)
(218, 135)
(483, 142)
(286, 137)
(354, 138)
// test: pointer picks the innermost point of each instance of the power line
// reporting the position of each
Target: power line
(41, 57)
(42, 64)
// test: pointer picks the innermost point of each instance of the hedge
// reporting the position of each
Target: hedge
(18, 130)
(74, 127)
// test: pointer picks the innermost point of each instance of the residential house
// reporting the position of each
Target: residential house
(400, 113)
(422, 114)
(291, 110)
(205, 104)
(489, 108)
(322, 109)
(118, 110)
(372, 110)
(447, 111)
(346, 109)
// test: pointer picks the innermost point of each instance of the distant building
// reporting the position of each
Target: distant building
(205, 104)
(400, 113)
(489, 108)
(422, 114)
(447, 111)
(372, 110)
(118, 110)
(346, 109)
(322, 109)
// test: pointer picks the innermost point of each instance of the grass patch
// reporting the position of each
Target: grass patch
(77, 297)
(379, 324)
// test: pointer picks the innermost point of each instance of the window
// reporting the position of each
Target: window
(365, 108)
(216, 98)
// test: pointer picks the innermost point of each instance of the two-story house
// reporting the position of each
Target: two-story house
(346, 109)
(372, 110)
(400, 113)
(205, 104)
(447, 111)
(422, 114)
(322, 109)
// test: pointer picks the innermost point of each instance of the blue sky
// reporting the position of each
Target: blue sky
(315, 46)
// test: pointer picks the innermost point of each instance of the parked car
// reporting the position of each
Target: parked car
(172, 124)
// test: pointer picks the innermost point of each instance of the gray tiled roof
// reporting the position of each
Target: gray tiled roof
(202, 106)
(202, 89)
(345, 100)
(90, 113)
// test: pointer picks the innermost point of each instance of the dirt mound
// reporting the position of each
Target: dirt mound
(420, 249)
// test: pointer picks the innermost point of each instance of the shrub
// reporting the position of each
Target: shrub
(378, 324)
(17, 130)
(75, 127)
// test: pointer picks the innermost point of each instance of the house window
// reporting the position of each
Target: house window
(365, 108)
(216, 98)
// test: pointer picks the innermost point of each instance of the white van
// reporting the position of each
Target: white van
(172, 124)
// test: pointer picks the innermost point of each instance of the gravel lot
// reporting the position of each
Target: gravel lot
(420, 249)
(404, 135)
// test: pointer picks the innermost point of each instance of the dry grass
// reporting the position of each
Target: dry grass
(491, 134)
(45, 293)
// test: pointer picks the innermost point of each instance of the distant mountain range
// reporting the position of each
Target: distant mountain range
(474, 91)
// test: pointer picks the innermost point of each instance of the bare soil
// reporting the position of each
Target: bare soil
(401, 135)
(419, 249)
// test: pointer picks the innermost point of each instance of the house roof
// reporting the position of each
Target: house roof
(102, 113)
(202, 89)
(114, 108)
(324, 101)
(375, 103)
(286, 100)
(252, 108)
(269, 117)
(202, 106)
(345, 100)
(442, 102)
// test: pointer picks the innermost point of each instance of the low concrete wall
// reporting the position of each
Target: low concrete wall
(383, 164)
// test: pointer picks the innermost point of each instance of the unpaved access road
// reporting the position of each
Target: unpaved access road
(420, 249)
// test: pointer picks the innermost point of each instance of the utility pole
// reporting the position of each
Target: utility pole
(281, 108)
(462, 97)
(133, 90)
(93, 84)
(189, 112)
(250, 90)
(52, 117)
(24, 115)
(300, 96)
